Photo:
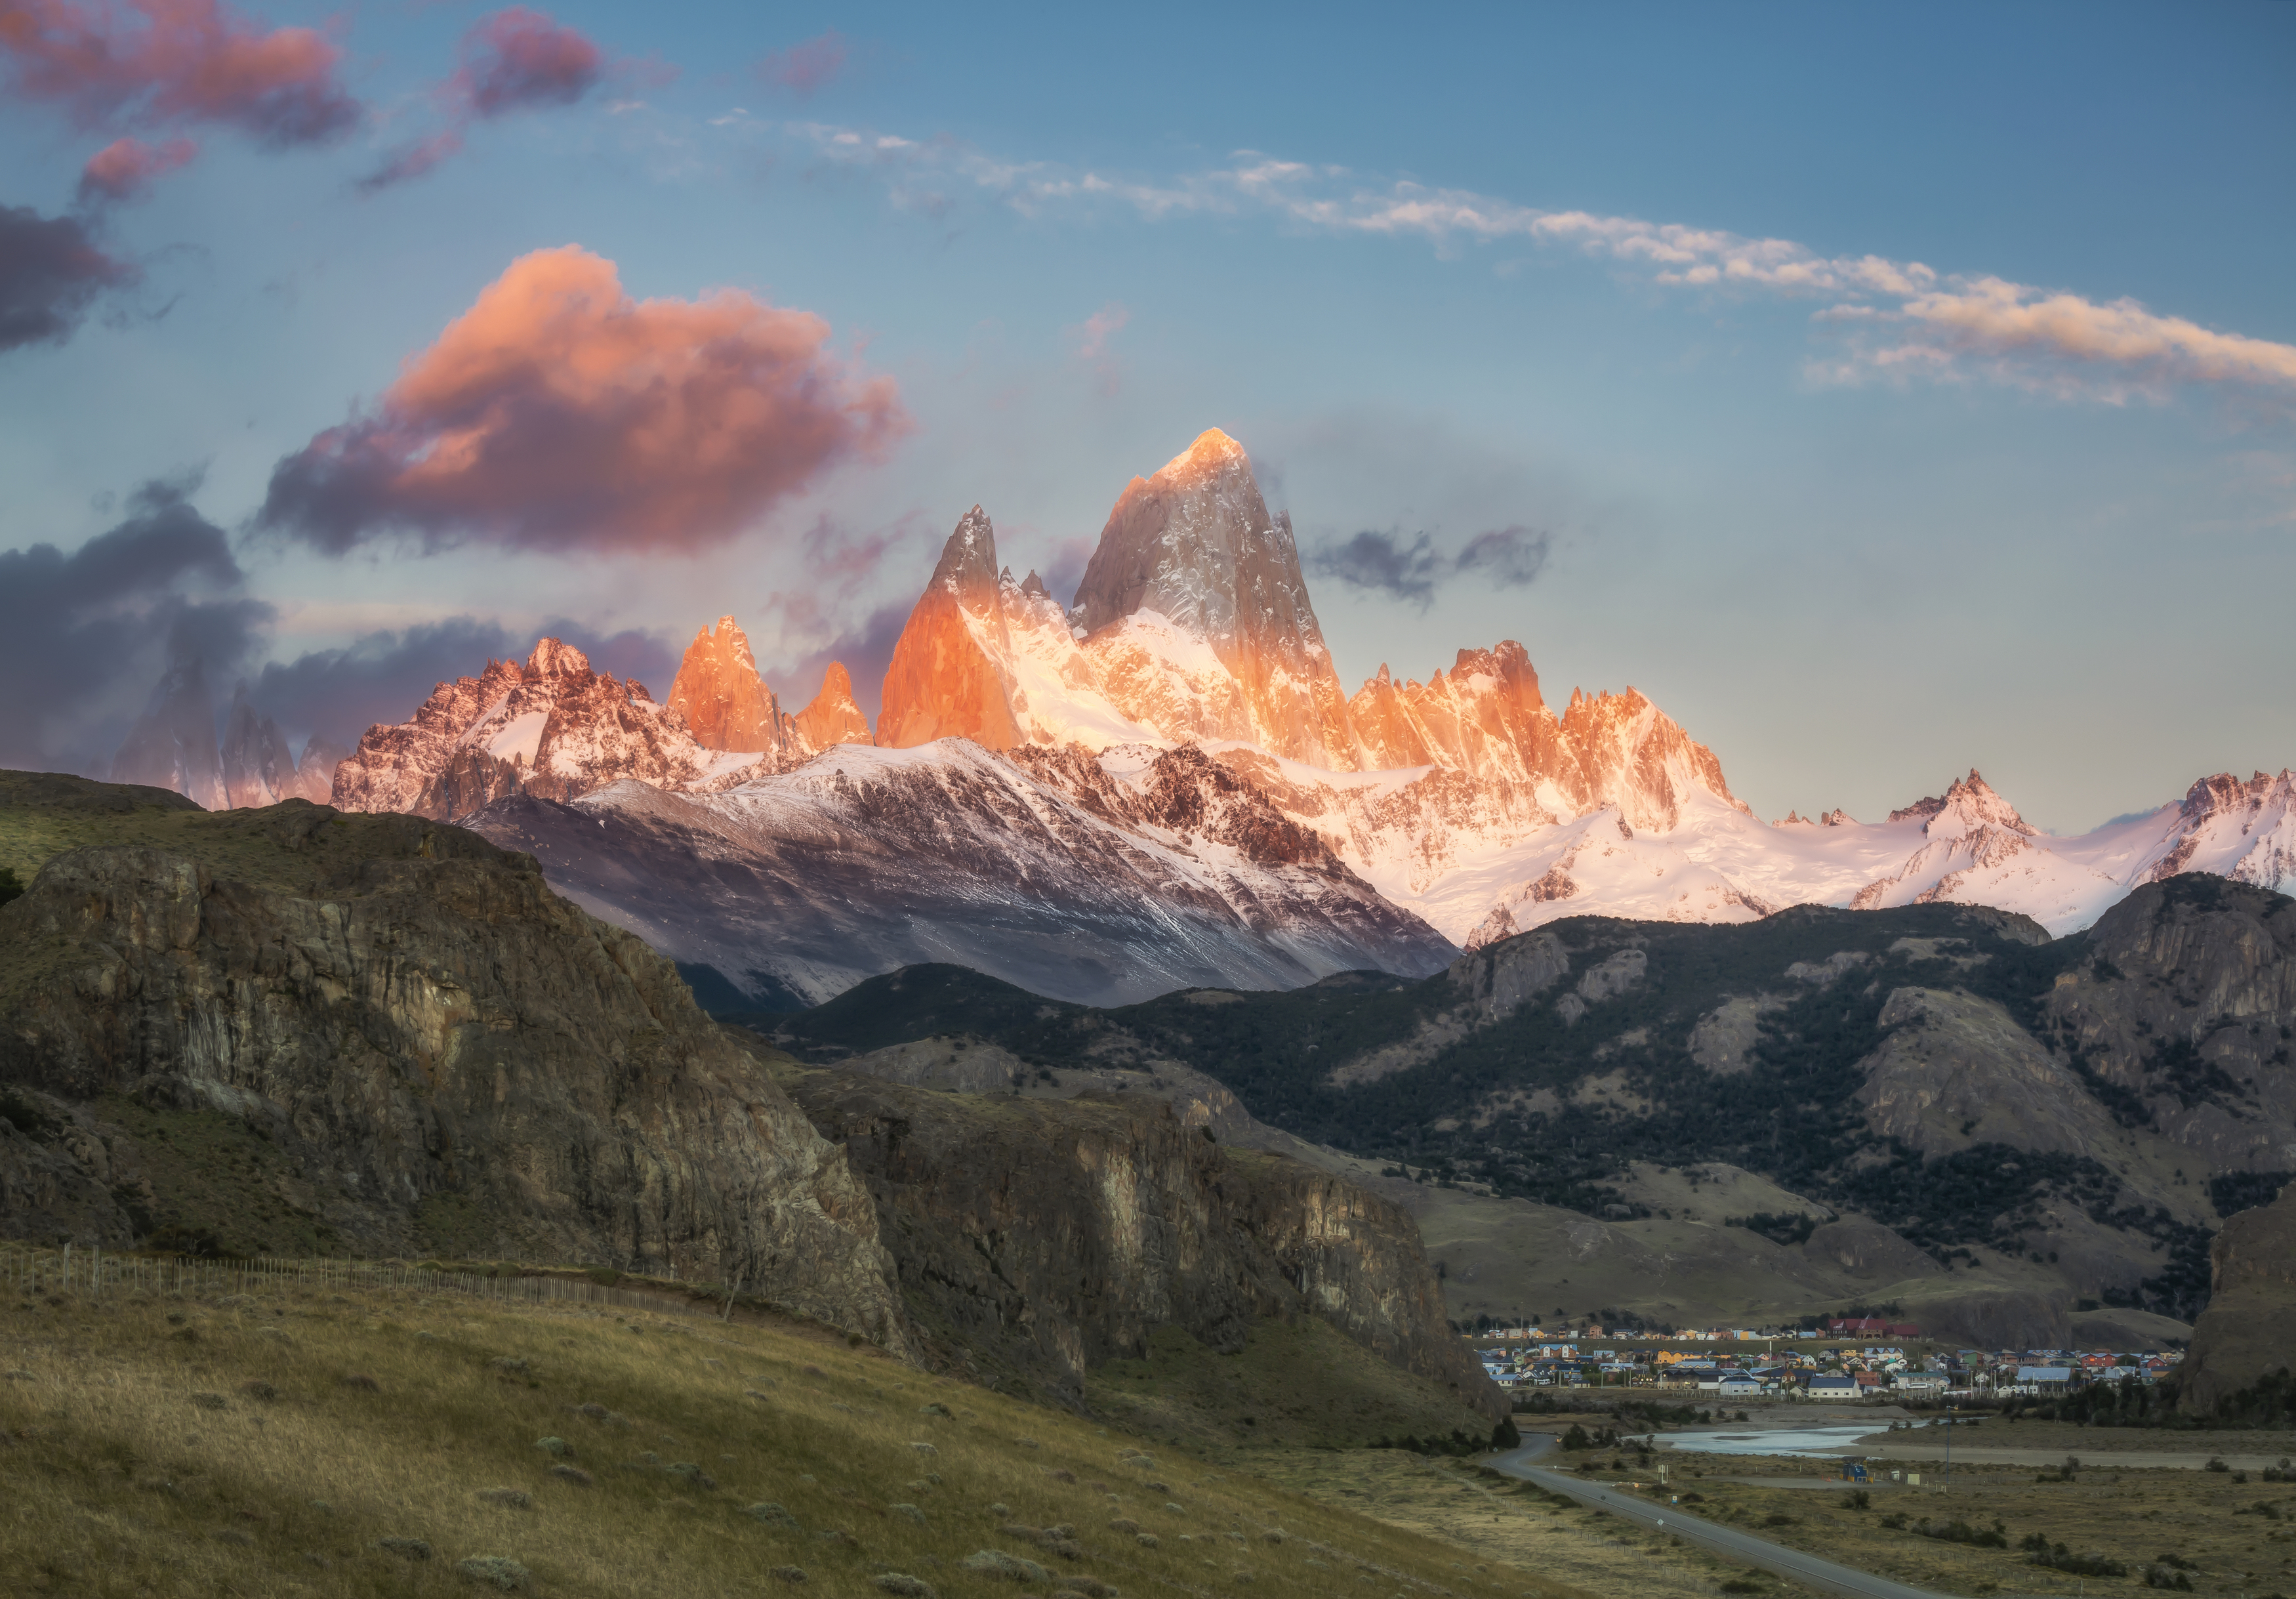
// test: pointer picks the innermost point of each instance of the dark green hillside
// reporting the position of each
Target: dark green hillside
(1551, 1100)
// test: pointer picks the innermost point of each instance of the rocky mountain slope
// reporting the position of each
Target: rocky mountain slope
(793, 887)
(1042, 1238)
(377, 1035)
(292, 1030)
(2018, 1123)
(2248, 1333)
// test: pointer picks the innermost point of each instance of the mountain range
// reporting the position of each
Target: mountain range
(1024, 804)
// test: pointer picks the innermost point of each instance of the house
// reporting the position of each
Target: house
(2045, 1379)
(1833, 1385)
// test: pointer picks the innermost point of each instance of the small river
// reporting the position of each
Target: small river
(1779, 1440)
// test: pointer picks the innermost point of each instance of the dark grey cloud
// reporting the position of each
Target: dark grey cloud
(1382, 563)
(1412, 569)
(1508, 557)
(84, 634)
(51, 272)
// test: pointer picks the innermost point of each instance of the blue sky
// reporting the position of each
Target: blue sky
(1858, 528)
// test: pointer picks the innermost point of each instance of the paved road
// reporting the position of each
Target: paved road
(1807, 1570)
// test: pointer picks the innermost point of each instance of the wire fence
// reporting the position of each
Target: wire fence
(99, 1273)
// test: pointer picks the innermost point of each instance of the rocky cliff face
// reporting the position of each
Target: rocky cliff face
(2248, 1330)
(551, 726)
(434, 1049)
(951, 672)
(833, 716)
(725, 703)
(2185, 1010)
(1195, 545)
(1041, 1237)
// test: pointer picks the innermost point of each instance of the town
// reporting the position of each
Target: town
(1844, 1358)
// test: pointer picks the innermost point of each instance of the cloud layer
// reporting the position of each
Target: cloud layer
(79, 633)
(1896, 319)
(560, 414)
(1410, 569)
(153, 63)
(51, 272)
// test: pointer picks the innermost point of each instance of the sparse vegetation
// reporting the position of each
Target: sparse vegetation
(434, 1472)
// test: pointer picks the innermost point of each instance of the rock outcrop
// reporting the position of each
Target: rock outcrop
(1195, 547)
(436, 1048)
(833, 717)
(723, 699)
(951, 673)
(2248, 1330)
(1041, 1237)
(550, 727)
(2185, 1008)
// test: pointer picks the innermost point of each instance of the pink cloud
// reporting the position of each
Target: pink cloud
(559, 414)
(515, 60)
(519, 59)
(158, 61)
(801, 68)
(125, 168)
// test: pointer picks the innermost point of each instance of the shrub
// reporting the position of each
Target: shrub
(995, 1562)
(772, 1515)
(901, 1583)
(496, 1570)
(556, 1447)
(405, 1548)
(1857, 1499)
(509, 1498)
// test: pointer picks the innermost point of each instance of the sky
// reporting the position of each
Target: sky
(1882, 394)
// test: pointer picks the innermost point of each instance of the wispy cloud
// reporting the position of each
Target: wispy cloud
(1092, 346)
(804, 68)
(516, 60)
(1411, 569)
(1892, 320)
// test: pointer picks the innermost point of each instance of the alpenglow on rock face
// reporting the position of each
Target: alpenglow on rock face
(950, 675)
(551, 726)
(1195, 545)
(726, 703)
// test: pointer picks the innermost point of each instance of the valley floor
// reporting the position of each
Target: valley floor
(2205, 1527)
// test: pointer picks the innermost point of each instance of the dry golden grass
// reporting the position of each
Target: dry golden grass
(165, 1446)
(2204, 1519)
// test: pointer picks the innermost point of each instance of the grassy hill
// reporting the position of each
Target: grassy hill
(373, 1442)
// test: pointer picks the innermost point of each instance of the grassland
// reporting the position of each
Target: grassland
(1301, 1385)
(311, 1443)
(2203, 1528)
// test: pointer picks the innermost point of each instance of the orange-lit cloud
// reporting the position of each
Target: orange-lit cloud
(160, 62)
(560, 414)
(125, 168)
(515, 60)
